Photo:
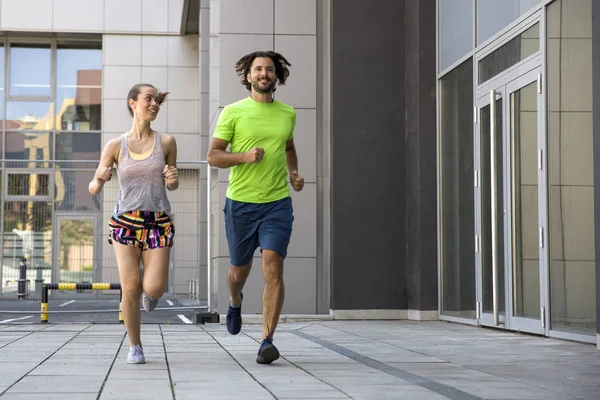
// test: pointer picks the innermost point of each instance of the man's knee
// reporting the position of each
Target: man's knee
(239, 274)
(272, 266)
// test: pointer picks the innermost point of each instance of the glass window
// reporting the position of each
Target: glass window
(457, 195)
(493, 15)
(78, 86)
(28, 233)
(2, 94)
(30, 70)
(34, 146)
(71, 189)
(78, 145)
(509, 54)
(76, 254)
(455, 33)
(47, 117)
(29, 115)
(571, 167)
(28, 184)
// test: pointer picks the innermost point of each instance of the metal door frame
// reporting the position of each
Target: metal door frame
(522, 323)
(502, 87)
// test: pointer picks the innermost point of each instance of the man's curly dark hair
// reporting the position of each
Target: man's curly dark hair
(242, 67)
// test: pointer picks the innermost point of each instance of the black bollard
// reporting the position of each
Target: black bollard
(22, 288)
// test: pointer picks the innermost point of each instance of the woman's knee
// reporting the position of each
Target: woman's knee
(131, 288)
(154, 290)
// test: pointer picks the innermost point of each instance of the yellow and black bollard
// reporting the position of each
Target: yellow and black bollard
(44, 315)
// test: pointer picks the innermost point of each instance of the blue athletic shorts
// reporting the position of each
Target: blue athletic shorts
(250, 225)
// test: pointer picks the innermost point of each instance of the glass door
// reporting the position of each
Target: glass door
(512, 264)
(491, 238)
(528, 261)
(74, 252)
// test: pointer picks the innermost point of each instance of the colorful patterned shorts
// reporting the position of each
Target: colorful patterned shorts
(146, 230)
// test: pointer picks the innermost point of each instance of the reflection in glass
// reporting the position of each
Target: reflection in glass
(30, 70)
(28, 233)
(79, 86)
(71, 189)
(1, 89)
(487, 250)
(571, 167)
(25, 184)
(67, 118)
(32, 146)
(456, 188)
(76, 251)
(526, 263)
(494, 15)
(455, 30)
(509, 54)
(78, 145)
(29, 115)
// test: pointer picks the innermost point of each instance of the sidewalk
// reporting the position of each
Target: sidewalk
(320, 360)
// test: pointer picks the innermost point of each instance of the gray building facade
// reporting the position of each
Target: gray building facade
(449, 149)
(470, 126)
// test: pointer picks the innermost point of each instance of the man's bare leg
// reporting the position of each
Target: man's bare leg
(273, 292)
(236, 279)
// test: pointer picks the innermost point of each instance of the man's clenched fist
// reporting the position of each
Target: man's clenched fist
(254, 155)
(297, 181)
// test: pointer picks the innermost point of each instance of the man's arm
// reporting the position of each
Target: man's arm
(219, 157)
(291, 156)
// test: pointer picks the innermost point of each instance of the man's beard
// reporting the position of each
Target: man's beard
(263, 90)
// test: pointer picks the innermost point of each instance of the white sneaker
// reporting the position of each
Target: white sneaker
(136, 355)
(149, 304)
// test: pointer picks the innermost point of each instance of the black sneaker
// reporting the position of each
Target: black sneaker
(267, 353)
(234, 318)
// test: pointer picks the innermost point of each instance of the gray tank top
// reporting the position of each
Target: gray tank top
(142, 186)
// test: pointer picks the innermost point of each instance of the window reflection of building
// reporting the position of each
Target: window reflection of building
(29, 137)
(56, 130)
(82, 113)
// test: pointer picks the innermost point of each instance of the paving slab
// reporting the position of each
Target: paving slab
(49, 396)
(319, 360)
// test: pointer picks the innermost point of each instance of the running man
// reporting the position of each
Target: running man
(258, 208)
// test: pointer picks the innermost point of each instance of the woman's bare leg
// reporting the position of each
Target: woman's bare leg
(128, 260)
(156, 272)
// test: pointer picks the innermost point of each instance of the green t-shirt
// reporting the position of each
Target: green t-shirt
(247, 124)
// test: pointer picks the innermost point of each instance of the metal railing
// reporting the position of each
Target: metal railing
(53, 231)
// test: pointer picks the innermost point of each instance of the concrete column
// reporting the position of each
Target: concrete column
(421, 199)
